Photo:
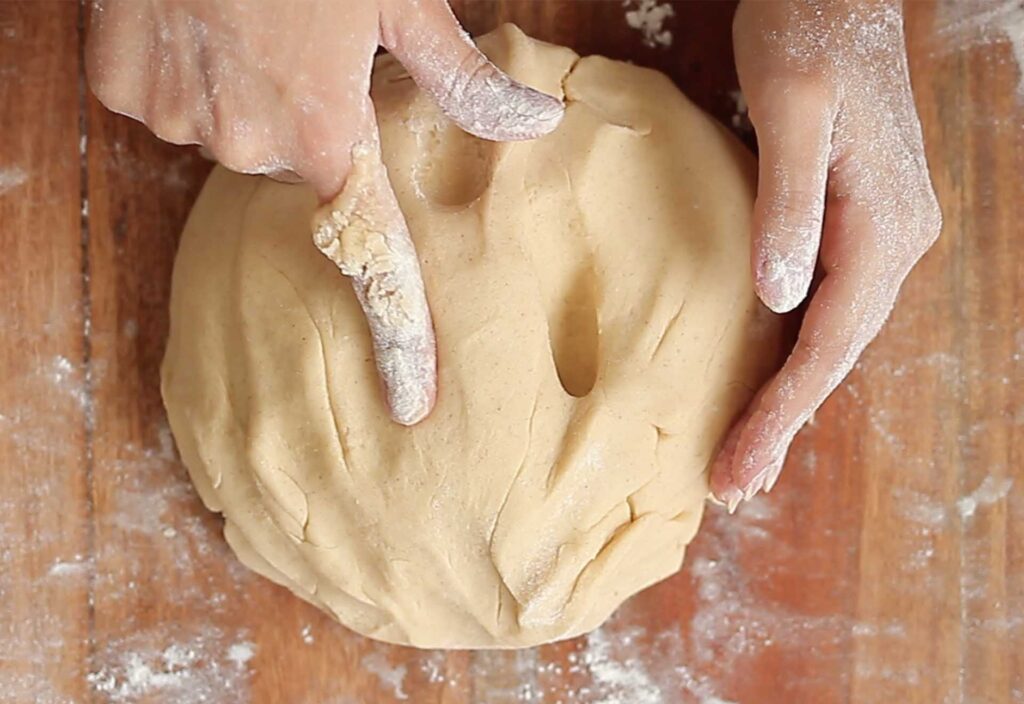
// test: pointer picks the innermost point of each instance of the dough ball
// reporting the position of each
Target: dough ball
(597, 333)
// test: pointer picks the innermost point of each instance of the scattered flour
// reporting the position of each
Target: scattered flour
(968, 23)
(740, 119)
(241, 653)
(70, 568)
(919, 508)
(988, 492)
(432, 667)
(618, 680)
(206, 667)
(69, 378)
(392, 677)
(10, 178)
(648, 17)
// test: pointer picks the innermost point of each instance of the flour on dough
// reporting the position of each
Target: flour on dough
(597, 332)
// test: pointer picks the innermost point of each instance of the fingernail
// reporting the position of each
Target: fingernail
(784, 279)
(752, 488)
(729, 497)
(755, 484)
(764, 479)
(544, 110)
(773, 475)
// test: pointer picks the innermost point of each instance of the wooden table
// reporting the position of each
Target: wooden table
(885, 567)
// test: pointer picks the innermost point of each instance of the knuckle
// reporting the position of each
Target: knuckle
(237, 147)
(792, 97)
(471, 73)
(116, 91)
(235, 156)
(797, 215)
(811, 88)
(169, 128)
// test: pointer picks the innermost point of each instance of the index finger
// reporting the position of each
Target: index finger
(364, 233)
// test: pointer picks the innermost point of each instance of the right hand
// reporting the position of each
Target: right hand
(282, 88)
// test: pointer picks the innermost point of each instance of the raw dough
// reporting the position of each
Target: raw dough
(597, 332)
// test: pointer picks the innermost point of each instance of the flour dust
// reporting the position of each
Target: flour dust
(964, 24)
(648, 17)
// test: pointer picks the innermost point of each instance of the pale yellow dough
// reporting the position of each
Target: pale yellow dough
(597, 332)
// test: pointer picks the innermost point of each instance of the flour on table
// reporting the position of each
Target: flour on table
(618, 680)
(164, 663)
(988, 492)
(740, 121)
(648, 17)
(69, 377)
(970, 23)
(391, 676)
(76, 566)
(10, 178)
(241, 653)
(206, 666)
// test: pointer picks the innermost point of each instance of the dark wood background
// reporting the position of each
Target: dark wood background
(884, 567)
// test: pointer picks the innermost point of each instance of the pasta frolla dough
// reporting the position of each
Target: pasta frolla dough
(597, 333)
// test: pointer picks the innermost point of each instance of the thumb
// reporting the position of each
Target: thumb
(473, 92)
(794, 138)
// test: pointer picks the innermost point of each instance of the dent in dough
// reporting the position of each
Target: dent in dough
(597, 332)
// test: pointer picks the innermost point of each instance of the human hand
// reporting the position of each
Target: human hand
(843, 180)
(282, 88)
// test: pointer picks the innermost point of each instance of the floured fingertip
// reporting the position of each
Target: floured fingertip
(409, 376)
(364, 233)
(723, 489)
(491, 105)
(783, 281)
(732, 500)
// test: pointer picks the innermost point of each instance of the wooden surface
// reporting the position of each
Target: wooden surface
(885, 567)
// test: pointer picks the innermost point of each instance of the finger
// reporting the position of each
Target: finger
(364, 233)
(330, 123)
(723, 488)
(470, 90)
(113, 57)
(847, 312)
(794, 135)
(323, 156)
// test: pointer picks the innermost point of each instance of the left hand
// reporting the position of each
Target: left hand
(843, 180)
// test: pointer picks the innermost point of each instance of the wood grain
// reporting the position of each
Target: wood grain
(886, 565)
(45, 534)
